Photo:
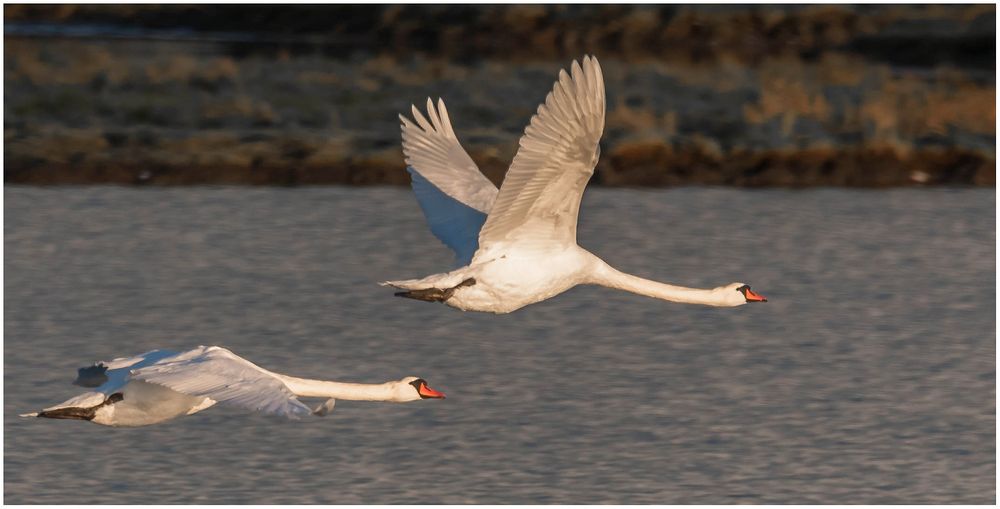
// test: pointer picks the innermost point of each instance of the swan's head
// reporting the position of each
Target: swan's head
(412, 388)
(738, 294)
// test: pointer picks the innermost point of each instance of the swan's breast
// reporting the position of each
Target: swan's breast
(515, 280)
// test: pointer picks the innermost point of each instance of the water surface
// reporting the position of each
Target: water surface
(869, 377)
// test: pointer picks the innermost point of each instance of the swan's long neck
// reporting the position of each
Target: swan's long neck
(606, 275)
(338, 390)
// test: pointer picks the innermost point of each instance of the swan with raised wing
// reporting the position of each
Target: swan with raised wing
(517, 245)
(160, 385)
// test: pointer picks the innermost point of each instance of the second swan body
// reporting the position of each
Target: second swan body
(160, 385)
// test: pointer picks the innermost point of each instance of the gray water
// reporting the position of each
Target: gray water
(869, 377)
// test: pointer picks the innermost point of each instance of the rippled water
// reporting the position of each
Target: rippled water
(869, 377)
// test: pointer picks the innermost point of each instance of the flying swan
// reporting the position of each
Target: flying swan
(160, 385)
(517, 245)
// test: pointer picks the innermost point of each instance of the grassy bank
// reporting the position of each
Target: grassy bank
(793, 98)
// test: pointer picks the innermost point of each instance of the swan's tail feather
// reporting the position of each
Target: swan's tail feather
(77, 412)
(405, 284)
(417, 284)
(435, 294)
(454, 278)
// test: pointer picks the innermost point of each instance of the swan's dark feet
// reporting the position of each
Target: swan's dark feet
(83, 414)
(435, 294)
(92, 376)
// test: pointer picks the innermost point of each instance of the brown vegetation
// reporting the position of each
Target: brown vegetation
(652, 164)
(740, 96)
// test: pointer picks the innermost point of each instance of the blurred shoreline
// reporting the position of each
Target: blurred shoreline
(865, 96)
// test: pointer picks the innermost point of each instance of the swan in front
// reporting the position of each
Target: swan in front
(517, 245)
(160, 385)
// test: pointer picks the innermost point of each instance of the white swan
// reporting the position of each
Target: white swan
(518, 245)
(160, 385)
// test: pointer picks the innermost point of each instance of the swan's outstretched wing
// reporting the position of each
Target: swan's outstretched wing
(111, 375)
(454, 195)
(454, 223)
(540, 196)
(221, 375)
(433, 150)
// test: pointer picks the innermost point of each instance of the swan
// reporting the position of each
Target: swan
(160, 385)
(517, 245)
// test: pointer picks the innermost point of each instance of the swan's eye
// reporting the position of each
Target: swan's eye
(743, 289)
(417, 383)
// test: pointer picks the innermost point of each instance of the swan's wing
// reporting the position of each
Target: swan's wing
(454, 223)
(540, 196)
(116, 371)
(218, 374)
(454, 195)
(431, 148)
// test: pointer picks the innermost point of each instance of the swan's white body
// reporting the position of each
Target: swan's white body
(160, 385)
(517, 245)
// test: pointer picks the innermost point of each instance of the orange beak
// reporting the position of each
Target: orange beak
(754, 297)
(426, 392)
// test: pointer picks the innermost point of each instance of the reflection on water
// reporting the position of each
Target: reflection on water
(869, 377)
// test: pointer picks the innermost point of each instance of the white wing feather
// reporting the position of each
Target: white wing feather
(454, 195)
(540, 196)
(225, 377)
(431, 147)
(452, 222)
